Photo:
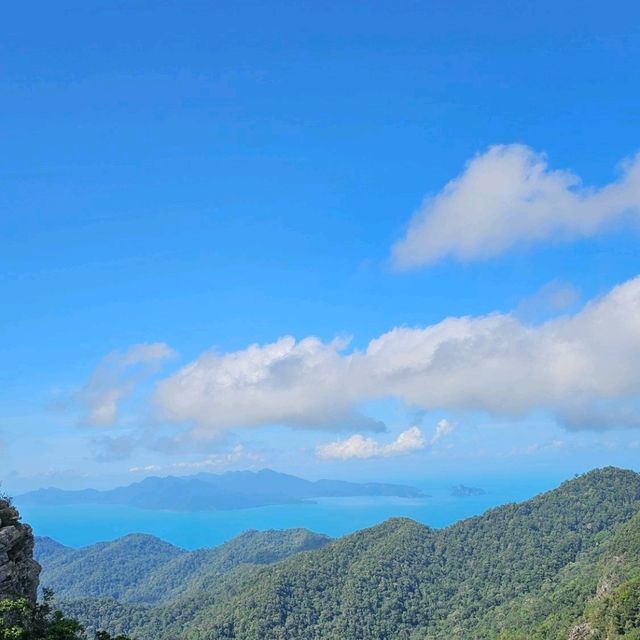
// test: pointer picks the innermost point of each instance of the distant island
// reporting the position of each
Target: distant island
(462, 491)
(216, 492)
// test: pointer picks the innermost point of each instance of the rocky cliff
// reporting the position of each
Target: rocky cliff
(18, 570)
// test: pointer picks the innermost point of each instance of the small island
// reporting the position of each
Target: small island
(462, 491)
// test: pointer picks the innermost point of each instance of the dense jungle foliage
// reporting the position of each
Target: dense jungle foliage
(21, 620)
(566, 560)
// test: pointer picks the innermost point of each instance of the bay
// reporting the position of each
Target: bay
(80, 525)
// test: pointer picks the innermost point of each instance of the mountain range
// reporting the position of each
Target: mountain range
(563, 565)
(208, 491)
(151, 571)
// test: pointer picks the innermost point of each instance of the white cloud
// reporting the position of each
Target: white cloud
(215, 460)
(583, 368)
(114, 379)
(358, 446)
(508, 195)
(443, 428)
(238, 454)
(285, 382)
(150, 468)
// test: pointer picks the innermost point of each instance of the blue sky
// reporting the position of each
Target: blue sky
(197, 176)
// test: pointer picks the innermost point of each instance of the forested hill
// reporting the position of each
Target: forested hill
(537, 569)
(404, 581)
(144, 569)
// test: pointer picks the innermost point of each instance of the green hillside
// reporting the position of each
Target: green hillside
(565, 564)
(112, 585)
(403, 581)
(114, 569)
(583, 596)
(143, 569)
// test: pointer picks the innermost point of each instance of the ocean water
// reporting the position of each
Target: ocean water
(80, 525)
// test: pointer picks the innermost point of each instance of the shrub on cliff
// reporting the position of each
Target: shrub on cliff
(22, 620)
(4, 498)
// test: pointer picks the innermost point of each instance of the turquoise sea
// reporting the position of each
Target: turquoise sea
(86, 524)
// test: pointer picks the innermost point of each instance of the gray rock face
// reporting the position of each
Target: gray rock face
(581, 632)
(18, 570)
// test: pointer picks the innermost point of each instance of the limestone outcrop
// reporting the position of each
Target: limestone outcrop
(581, 632)
(19, 572)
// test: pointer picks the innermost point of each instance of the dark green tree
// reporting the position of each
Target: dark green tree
(21, 620)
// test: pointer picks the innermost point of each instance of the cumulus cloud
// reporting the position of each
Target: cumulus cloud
(115, 378)
(506, 196)
(299, 384)
(584, 369)
(357, 446)
(567, 366)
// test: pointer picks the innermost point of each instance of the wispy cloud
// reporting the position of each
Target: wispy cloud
(149, 468)
(443, 428)
(109, 448)
(238, 454)
(534, 449)
(115, 378)
(552, 298)
(506, 196)
(571, 367)
(358, 446)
